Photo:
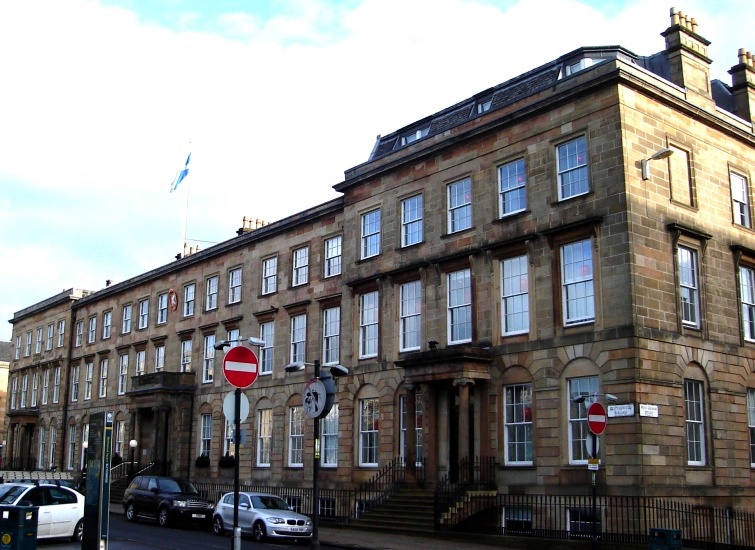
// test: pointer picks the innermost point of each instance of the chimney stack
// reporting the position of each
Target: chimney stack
(687, 54)
(743, 85)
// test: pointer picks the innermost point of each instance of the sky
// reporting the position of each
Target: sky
(101, 101)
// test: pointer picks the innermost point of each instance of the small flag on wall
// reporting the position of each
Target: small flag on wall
(181, 174)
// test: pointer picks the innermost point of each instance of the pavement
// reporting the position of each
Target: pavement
(359, 539)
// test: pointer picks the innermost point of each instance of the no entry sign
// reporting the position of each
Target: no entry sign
(240, 367)
(596, 418)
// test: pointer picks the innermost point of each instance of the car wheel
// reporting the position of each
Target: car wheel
(258, 531)
(217, 526)
(163, 517)
(130, 512)
(78, 532)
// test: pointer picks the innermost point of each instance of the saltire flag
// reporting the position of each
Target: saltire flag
(181, 175)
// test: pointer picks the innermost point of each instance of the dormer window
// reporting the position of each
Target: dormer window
(414, 136)
(484, 106)
(580, 65)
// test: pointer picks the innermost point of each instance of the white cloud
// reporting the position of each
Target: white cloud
(101, 106)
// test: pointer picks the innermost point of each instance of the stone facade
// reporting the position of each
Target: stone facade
(619, 275)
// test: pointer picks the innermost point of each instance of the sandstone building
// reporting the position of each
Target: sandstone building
(582, 230)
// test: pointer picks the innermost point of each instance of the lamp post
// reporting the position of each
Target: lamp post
(658, 155)
(132, 447)
(236, 539)
(592, 399)
(319, 395)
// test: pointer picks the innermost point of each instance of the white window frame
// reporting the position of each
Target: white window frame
(410, 316)
(159, 358)
(740, 202)
(141, 362)
(234, 285)
(211, 293)
(296, 437)
(104, 367)
(333, 251)
(189, 299)
(53, 444)
(418, 414)
(517, 425)
(370, 224)
(228, 443)
(694, 421)
(162, 308)
(270, 275)
(13, 392)
(50, 336)
(329, 426)
(298, 337)
(583, 386)
(512, 188)
(88, 380)
(411, 220)
(79, 334)
(186, 351)
(264, 437)
(208, 363)
(369, 328)
(24, 389)
(331, 335)
(459, 196)
(45, 386)
(577, 283)
(126, 319)
(61, 332)
(56, 385)
(689, 286)
(92, 332)
(143, 313)
(38, 342)
(75, 375)
(34, 388)
(27, 349)
(122, 373)
(747, 301)
(205, 434)
(573, 174)
(107, 324)
(369, 431)
(267, 334)
(71, 455)
(17, 353)
(515, 296)
(459, 300)
(300, 269)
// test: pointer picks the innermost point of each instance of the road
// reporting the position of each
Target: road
(147, 534)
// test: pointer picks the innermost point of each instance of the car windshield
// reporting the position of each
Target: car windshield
(177, 486)
(9, 493)
(271, 503)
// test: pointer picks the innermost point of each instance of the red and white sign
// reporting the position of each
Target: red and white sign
(240, 367)
(596, 418)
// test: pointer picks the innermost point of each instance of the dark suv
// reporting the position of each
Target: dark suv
(168, 500)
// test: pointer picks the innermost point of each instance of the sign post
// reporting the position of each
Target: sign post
(240, 368)
(596, 421)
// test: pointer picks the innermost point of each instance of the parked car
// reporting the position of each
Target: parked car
(61, 510)
(71, 484)
(166, 499)
(262, 516)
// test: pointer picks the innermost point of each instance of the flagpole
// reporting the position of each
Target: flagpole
(186, 219)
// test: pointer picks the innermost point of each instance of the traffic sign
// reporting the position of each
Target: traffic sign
(596, 418)
(229, 406)
(240, 367)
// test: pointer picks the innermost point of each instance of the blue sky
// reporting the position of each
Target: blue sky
(103, 99)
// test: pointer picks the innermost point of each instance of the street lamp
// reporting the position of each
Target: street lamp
(132, 446)
(592, 398)
(658, 155)
(236, 539)
(318, 406)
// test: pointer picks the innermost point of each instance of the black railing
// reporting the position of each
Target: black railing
(374, 491)
(617, 520)
(472, 475)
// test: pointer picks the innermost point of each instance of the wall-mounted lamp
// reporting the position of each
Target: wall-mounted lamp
(252, 341)
(662, 154)
(592, 396)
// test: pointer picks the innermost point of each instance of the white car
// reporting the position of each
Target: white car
(61, 510)
(262, 516)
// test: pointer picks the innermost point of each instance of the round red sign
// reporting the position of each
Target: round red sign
(240, 367)
(596, 418)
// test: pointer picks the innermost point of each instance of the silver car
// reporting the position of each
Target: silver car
(262, 516)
